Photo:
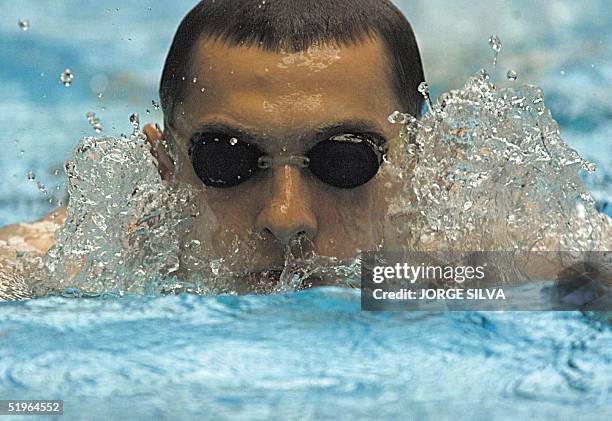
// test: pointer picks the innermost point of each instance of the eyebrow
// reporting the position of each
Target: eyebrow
(320, 133)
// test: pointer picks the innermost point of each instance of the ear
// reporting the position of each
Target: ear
(159, 150)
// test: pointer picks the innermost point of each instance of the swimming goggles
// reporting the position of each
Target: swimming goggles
(344, 161)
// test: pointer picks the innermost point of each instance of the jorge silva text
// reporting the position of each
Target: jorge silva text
(440, 294)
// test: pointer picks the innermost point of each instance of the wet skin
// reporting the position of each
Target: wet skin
(285, 103)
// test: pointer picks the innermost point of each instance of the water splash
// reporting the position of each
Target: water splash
(66, 77)
(94, 122)
(398, 118)
(423, 88)
(135, 122)
(496, 45)
(483, 169)
(491, 172)
(119, 235)
(23, 24)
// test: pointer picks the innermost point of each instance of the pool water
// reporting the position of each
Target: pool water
(311, 354)
(306, 355)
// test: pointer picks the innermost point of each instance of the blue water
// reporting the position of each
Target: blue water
(306, 355)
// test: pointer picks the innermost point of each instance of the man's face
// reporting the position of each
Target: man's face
(284, 102)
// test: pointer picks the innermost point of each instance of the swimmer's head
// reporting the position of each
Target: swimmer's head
(294, 26)
(306, 85)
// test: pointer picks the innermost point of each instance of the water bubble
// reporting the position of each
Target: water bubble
(424, 90)
(94, 122)
(512, 75)
(396, 118)
(195, 80)
(496, 45)
(587, 198)
(393, 117)
(66, 77)
(591, 167)
(214, 266)
(155, 104)
(135, 121)
(484, 75)
(23, 24)
(233, 141)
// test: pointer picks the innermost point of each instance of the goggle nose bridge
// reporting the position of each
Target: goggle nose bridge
(300, 161)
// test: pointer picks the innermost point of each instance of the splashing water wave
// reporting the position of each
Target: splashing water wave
(484, 169)
(488, 170)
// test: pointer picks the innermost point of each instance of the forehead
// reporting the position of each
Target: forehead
(287, 90)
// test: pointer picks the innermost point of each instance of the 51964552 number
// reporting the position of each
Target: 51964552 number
(31, 407)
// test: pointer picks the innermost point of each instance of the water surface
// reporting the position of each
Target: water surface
(306, 355)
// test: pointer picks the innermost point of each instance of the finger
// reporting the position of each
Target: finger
(159, 150)
(152, 132)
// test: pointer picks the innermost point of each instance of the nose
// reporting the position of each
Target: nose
(288, 212)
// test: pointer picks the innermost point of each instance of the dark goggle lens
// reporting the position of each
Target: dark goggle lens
(344, 164)
(223, 161)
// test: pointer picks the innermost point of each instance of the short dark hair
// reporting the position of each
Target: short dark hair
(295, 25)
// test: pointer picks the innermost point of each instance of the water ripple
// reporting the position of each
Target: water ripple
(312, 352)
